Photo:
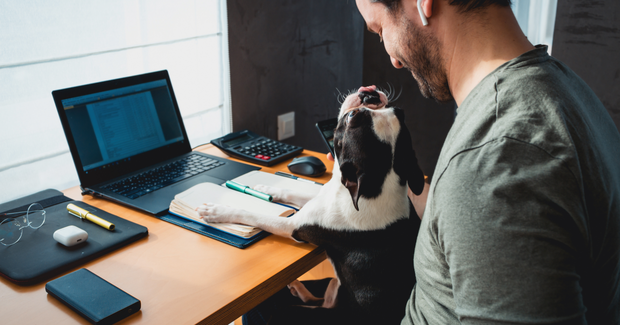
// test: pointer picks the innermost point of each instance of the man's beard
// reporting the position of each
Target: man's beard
(420, 54)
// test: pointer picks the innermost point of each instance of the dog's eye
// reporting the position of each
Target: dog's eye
(351, 115)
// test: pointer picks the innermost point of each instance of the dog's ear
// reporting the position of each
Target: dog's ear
(405, 162)
(351, 181)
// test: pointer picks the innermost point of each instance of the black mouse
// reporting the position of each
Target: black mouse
(307, 165)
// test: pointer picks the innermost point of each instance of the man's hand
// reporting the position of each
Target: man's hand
(419, 201)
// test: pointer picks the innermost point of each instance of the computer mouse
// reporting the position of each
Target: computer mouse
(307, 165)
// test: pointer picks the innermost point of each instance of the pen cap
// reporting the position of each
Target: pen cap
(235, 186)
(76, 210)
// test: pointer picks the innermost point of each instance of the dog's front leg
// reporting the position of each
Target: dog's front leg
(211, 212)
(285, 196)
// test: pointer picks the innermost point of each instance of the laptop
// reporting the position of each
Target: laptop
(129, 144)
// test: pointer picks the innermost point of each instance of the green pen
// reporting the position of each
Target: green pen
(248, 190)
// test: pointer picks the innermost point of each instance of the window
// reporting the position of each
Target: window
(49, 45)
(537, 19)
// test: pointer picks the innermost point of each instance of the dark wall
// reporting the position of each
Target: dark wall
(587, 39)
(427, 120)
(299, 55)
(292, 56)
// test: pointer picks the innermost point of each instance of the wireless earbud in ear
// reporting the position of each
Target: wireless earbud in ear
(424, 21)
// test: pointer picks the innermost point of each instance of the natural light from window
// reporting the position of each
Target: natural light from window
(537, 19)
(49, 45)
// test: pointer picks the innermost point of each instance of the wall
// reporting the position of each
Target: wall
(292, 56)
(587, 39)
(299, 55)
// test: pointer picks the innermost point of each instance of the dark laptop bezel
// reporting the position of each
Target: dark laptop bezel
(94, 177)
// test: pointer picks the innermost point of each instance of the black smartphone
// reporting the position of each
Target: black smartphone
(94, 298)
(326, 128)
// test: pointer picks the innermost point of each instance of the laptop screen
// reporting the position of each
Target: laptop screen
(120, 126)
(112, 126)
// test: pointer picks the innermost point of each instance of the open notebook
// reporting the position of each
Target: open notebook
(185, 203)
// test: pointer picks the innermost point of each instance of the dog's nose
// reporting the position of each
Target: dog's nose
(370, 97)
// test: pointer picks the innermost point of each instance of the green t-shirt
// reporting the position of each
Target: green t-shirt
(522, 223)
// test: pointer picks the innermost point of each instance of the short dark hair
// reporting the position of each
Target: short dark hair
(465, 5)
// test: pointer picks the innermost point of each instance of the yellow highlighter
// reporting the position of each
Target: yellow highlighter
(84, 214)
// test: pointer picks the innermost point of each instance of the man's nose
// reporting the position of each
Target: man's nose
(397, 64)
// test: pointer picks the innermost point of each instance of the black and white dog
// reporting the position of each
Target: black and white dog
(361, 217)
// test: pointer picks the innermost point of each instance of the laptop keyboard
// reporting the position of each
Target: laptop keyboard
(138, 185)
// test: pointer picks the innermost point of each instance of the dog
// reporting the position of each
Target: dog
(361, 217)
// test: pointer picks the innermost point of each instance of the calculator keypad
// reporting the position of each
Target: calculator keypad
(249, 146)
(264, 149)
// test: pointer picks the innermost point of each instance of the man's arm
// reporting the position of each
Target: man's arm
(509, 222)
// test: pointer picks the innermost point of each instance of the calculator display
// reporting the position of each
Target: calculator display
(235, 141)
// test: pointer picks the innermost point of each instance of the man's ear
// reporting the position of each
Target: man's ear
(351, 181)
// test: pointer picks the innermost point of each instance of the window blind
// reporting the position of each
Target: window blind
(537, 20)
(49, 45)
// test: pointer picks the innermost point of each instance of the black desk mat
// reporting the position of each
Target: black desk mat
(38, 257)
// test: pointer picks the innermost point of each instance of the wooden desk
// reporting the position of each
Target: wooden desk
(180, 277)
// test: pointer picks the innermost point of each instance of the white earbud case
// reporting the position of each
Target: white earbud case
(70, 235)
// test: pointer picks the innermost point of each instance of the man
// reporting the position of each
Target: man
(522, 220)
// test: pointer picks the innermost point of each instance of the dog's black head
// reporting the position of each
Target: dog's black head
(369, 143)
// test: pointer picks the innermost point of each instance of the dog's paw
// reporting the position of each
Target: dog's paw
(275, 192)
(285, 196)
(217, 213)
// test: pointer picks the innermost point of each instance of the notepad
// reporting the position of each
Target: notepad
(185, 203)
(256, 177)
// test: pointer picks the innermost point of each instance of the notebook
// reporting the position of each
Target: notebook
(185, 204)
(129, 144)
(182, 209)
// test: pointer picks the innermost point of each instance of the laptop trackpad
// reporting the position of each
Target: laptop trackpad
(158, 202)
(182, 186)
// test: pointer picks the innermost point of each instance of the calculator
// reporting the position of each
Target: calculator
(249, 146)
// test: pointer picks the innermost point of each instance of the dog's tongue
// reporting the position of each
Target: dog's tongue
(368, 89)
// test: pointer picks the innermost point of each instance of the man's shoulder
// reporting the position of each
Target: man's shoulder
(540, 102)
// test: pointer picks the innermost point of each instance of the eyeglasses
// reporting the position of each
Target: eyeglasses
(12, 228)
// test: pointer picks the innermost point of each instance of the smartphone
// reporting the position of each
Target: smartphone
(326, 128)
(92, 297)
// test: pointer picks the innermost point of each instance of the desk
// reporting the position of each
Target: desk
(180, 277)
